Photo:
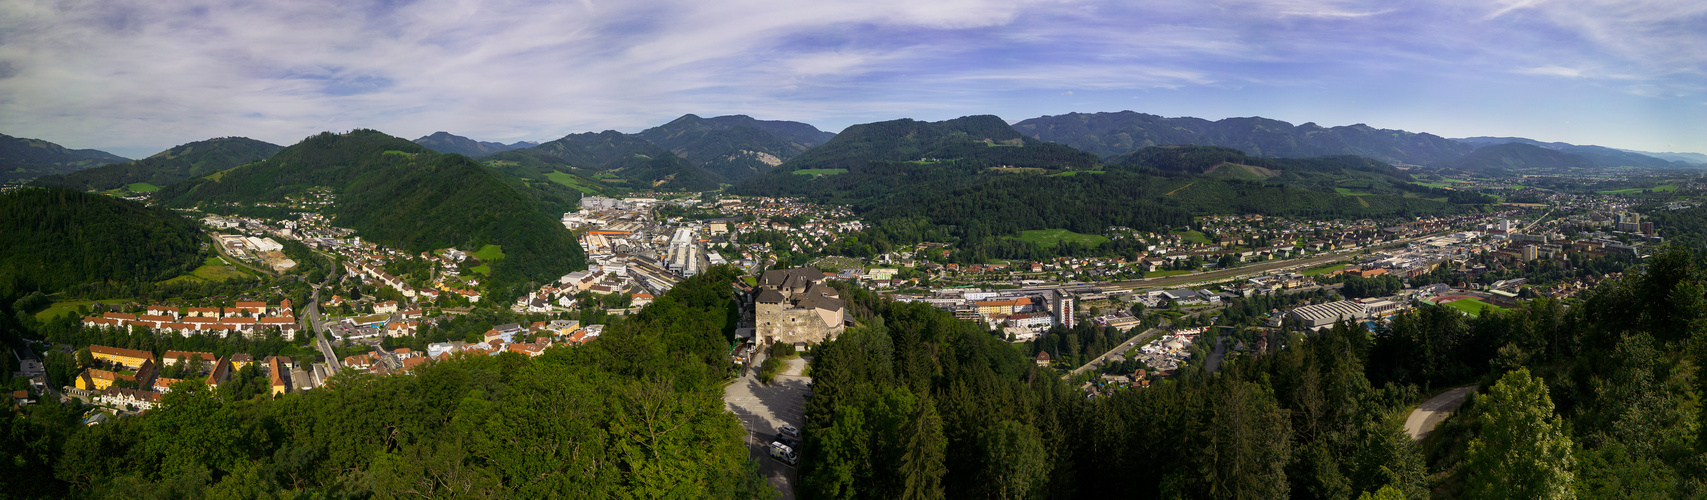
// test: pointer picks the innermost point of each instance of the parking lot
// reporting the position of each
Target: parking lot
(762, 410)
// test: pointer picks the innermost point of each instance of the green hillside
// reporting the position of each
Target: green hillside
(57, 237)
(397, 193)
(173, 165)
(919, 181)
(24, 159)
(735, 147)
(640, 165)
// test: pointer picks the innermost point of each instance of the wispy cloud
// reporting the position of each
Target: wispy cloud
(140, 75)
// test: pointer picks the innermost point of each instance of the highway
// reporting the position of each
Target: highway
(320, 333)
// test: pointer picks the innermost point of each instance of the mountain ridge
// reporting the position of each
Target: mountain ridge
(24, 158)
(446, 142)
(176, 164)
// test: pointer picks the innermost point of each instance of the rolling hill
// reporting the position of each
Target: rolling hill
(445, 142)
(977, 181)
(1596, 155)
(179, 163)
(735, 147)
(615, 159)
(1517, 157)
(58, 237)
(401, 194)
(1113, 134)
(25, 159)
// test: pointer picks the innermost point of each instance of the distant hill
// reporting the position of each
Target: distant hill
(1113, 134)
(58, 237)
(24, 159)
(736, 146)
(1598, 156)
(1696, 159)
(445, 142)
(401, 194)
(977, 181)
(613, 158)
(182, 162)
(1515, 157)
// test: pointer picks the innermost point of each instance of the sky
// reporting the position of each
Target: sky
(135, 77)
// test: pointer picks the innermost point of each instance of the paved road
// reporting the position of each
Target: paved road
(320, 333)
(1132, 343)
(764, 408)
(1429, 414)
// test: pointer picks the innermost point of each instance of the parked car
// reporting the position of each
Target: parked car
(787, 441)
(789, 430)
(783, 453)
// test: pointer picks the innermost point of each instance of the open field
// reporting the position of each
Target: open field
(212, 269)
(1664, 188)
(1049, 238)
(572, 181)
(1321, 270)
(820, 171)
(1164, 274)
(1346, 191)
(142, 187)
(1472, 307)
(61, 308)
(1193, 236)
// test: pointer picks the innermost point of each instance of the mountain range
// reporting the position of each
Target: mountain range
(445, 142)
(25, 159)
(186, 161)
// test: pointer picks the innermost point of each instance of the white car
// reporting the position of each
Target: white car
(789, 430)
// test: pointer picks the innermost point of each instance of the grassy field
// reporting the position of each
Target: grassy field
(61, 308)
(1665, 188)
(820, 171)
(490, 252)
(1071, 173)
(1346, 191)
(572, 181)
(1472, 307)
(1193, 236)
(1321, 270)
(1164, 274)
(212, 269)
(142, 187)
(1048, 238)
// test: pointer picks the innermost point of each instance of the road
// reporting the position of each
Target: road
(764, 408)
(320, 333)
(1428, 415)
(1132, 343)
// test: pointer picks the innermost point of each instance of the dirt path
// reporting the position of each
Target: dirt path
(1429, 414)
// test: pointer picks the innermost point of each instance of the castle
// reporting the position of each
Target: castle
(794, 306)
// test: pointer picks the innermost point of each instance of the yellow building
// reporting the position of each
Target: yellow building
(127, 357)
(96, 380)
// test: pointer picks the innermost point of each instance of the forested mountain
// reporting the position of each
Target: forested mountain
(1593, 400)
(182, 162)
(23, 159)
(445, 142)
(736, 146)
(1111, 134)
(57, 237)
(625, 160)
(977, 182)
(1599, 156)
(403, 195)
(637, 413)
(1514, 157)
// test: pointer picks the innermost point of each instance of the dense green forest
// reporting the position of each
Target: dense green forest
(29, 158)
(1598, 399)
(179, 163)
(57, 238)
(400, 194)
(731, 146)
(1113, 134)
(634, 414)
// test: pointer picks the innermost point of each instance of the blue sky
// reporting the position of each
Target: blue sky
(136, 77)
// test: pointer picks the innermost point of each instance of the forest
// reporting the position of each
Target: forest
(186, 161)
(56, 238)
(636, 414)
(1598, 398)
(403, 195)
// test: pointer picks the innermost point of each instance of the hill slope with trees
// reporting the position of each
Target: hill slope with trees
(24, 159)
(186, 161)
(403, 195)
(737, 146)
(1111, 134)
(58, 237)
(445, 142)
(620, 159)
